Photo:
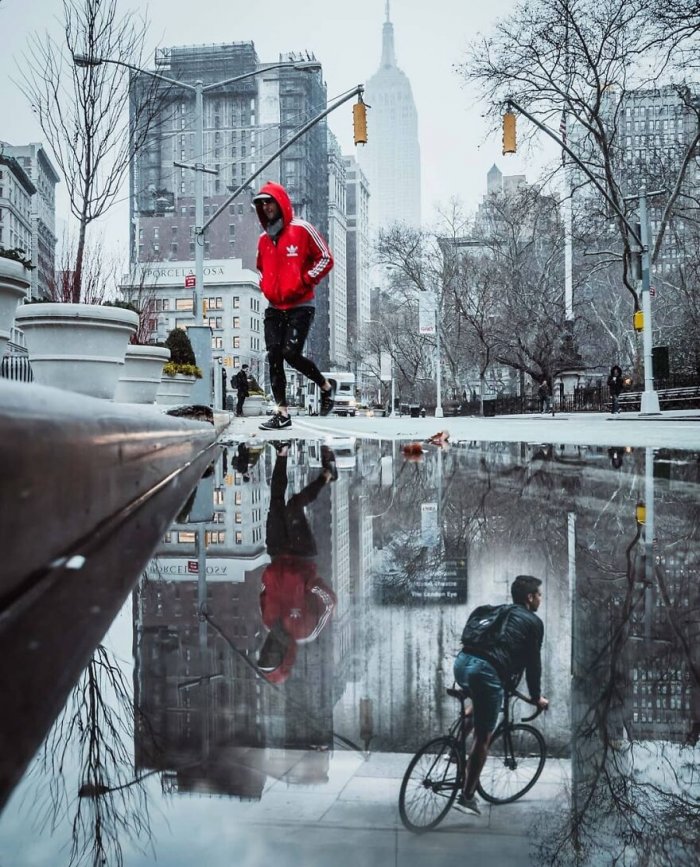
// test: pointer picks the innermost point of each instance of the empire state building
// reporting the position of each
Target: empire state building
(391, 157)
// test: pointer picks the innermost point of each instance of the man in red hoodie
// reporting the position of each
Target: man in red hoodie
(293, 258)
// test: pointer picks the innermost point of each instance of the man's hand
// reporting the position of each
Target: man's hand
(542, 703)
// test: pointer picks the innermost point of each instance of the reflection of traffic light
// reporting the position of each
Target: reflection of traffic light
(640, 513)
(359, 122)
(508, 133)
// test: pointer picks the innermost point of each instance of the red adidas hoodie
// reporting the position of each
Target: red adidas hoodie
(296, 261)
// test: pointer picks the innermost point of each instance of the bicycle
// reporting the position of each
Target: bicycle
(435, 775)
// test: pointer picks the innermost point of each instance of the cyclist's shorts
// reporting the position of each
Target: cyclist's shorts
(480, 678)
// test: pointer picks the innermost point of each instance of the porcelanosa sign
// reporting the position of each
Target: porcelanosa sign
(162, 273)
(175, 273)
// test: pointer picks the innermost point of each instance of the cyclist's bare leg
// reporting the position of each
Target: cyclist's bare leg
(475, 763)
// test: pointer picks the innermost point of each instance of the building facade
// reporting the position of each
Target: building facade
(234, 307)
(16, 192)
(37, 165)
(391, 159)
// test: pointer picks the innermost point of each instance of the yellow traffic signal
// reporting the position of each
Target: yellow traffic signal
(638, 320)
(359, 122)
(508, 133)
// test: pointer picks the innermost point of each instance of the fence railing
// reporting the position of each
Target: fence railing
(676, 393)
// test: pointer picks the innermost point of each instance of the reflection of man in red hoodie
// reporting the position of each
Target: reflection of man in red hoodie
(295, 602)
(292, 259)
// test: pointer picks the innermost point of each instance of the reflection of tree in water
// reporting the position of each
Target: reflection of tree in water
(94, 734)
(635, 792)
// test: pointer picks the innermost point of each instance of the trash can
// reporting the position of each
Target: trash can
(489, 408)
(229, 403)
(415, 410)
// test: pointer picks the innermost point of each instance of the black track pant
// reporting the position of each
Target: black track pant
(285, 335)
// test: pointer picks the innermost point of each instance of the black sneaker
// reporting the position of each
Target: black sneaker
(328, 462)
(276, 422)
(328, 398)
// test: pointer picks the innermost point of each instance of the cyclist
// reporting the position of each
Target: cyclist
(485, 673)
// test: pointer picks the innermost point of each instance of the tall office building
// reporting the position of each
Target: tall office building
(357, 197)
(244, 124)
(337, 240)
(391, 157)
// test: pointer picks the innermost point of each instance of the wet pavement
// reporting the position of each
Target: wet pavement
(259, 695)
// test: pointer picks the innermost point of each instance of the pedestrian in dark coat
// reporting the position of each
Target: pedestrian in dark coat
(615, 386)
(241, 388)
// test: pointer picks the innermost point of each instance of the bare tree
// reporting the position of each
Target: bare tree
(84, 110)
(584, 58)
(95, 733)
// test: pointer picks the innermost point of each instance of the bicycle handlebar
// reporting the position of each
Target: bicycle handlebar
(515, 694)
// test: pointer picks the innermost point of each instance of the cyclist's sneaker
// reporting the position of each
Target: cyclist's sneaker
(276, 422)
(467, 805)
(328, 398)
(328, 462)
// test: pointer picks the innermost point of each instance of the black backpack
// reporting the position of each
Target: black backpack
(485, 626)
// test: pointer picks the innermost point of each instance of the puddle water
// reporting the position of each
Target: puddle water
(289, 646)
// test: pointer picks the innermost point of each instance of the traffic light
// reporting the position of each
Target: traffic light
(638, 320)
(359, 122)
(508, 133)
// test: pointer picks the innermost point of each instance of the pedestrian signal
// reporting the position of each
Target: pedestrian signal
(508, 133)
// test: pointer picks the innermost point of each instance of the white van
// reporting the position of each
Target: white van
(345, 401)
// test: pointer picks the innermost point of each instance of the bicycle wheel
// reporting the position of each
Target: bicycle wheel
(514, 764)
(430, 784)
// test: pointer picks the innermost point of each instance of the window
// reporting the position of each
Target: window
(236, 321)
(183, 304)
(236, 342)
(236, 302)
(217, 343)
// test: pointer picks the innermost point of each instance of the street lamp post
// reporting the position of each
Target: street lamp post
(438, 366)
(201, 336)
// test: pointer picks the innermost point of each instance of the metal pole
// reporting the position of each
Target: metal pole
(438, 371)
(650, 399)
(198, 201)
(392, 411)
(200, 334)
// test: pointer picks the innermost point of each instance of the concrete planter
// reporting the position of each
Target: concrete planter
(141, 377)
(175, 390)
(254, 405)
(14, 281)
(77, 347)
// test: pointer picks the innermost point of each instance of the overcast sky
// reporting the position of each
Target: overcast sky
(346, 37)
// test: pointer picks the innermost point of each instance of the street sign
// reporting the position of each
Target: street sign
(190, 281)
(652, 291)
(192, 567)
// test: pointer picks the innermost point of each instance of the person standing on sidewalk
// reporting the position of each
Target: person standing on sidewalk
(615, 386)
(241, 388)
(292, 259)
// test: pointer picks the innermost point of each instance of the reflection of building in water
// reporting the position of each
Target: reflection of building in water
(207, 717)
(662, 698)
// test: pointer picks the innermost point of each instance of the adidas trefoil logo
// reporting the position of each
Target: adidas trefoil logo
(292, 250)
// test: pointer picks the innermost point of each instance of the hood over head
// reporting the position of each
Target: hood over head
(281, 196)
